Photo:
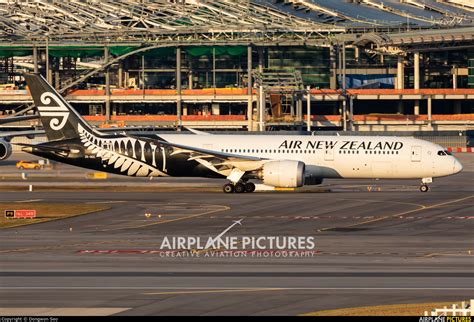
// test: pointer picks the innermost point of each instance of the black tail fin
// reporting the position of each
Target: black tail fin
(59, 119)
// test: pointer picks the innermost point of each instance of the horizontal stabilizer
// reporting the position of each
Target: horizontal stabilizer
(41, 147)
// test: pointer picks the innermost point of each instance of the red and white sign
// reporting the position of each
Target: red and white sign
(25, 214)
(461, 150)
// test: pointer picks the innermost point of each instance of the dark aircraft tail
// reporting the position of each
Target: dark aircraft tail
(59, 119)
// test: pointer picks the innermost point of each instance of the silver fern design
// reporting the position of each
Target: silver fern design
(115, 152)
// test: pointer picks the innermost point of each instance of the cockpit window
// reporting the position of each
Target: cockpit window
(441, 152)
(447, 152)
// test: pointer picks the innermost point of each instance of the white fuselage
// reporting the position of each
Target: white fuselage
(336, 156)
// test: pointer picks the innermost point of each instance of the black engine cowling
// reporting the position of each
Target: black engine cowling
(5, 149)
(285, 173)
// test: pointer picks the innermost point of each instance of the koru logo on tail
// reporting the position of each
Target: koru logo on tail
(59, 111)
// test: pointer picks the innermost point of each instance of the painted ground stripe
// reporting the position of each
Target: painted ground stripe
(29, 200)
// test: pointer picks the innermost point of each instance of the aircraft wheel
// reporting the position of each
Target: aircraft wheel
(424, 188)
(249, 187)
(228, 188)
(239, 188)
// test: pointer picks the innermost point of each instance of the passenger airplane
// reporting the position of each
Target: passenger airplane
(279, 161)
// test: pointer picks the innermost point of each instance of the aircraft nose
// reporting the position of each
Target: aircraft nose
(457, 167)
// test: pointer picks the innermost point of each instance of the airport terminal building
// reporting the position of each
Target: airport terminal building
(362, 65)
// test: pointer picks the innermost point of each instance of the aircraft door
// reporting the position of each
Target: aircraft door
(329, 154)
(416, 153)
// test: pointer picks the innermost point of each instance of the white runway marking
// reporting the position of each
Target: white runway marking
(28, 200)
(105, 202)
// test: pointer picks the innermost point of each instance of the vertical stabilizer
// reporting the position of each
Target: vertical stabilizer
(59, 119)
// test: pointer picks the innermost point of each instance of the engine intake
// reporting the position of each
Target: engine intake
(5, 149)
(285, 173)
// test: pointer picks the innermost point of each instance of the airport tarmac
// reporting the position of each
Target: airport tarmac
(397, 245)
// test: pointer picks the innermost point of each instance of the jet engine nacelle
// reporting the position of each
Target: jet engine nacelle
(285, 173)
(5, 149)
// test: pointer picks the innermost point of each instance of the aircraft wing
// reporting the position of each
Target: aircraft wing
(11, 134)
(11, 119)
(220, 162)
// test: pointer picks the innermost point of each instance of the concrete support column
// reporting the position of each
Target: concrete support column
(213, 67)
(215, 109)
(190, 79)
(400, 73)
(416, 108)
(46, 58)
(293, 106)
(339, 66)
(332, 68)
(430, 118)
(126, 77)
(299, 108)
(249, 89)
(351, 113)
(357, 54)
(344, 114)
(35, 59)
(107, 86)
(120, 75)
(261, 110)
(344, 66)
(50, 76)
(416, 67)
(455, 77)
(178, 86)
(142, 83)
(308, 109)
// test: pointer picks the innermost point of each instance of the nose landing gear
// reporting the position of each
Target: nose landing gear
(424, 187)
(239, 187)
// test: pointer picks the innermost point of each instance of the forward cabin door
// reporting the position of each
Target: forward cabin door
(416, 153)
(329, 154)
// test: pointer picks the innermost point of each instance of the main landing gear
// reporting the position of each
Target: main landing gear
(239, 187)
(424, 187)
